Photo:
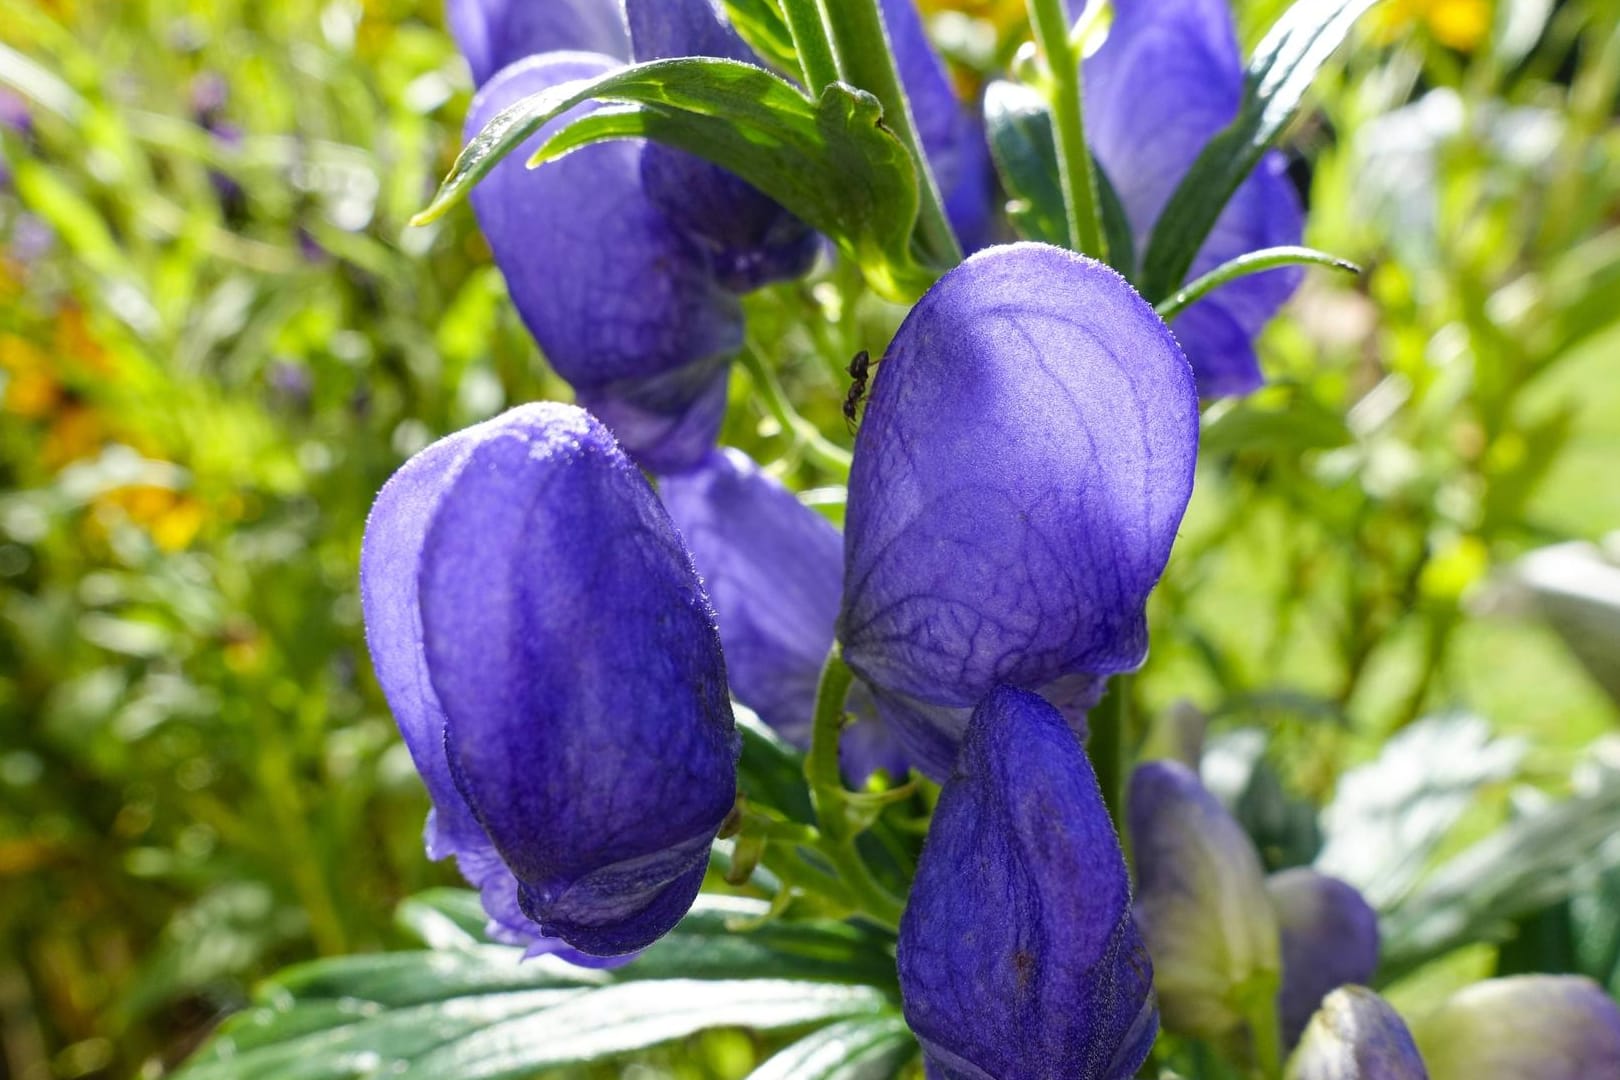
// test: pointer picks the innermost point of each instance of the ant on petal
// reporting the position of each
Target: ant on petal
(860, 370)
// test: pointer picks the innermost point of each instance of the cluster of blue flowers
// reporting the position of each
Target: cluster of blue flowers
(560, 643)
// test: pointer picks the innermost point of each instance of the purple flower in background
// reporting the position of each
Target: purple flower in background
(750, 239)
(1018, 956)
(552, 662)
(1528, 1027)
(1357, 1036)
(1201, 903)
(774, 570)
(1169, 77)
(952, 137)
(621, 301)
(494, 33)
(1019, 476)
(1329, 939)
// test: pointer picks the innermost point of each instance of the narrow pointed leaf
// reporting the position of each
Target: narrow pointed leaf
(1279, 73)
(867, 1048)
(494, 1015)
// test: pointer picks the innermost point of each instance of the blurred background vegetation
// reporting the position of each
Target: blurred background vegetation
(218, 337)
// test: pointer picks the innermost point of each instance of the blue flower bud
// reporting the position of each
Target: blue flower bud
(1329, 939)
(1355, 1035)
(774, 570)
(750, 239)
(1018, 956)
(1529, 1027)
(622, 303)
(1169, 77)
(494, 33)
(1022, 467)
(553, 665)
(1202, 905)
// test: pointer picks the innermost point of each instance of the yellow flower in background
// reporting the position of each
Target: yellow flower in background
(171, 518)
(1456, 24)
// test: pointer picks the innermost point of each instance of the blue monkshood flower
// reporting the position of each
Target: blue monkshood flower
(774, 570)
(1329, 940)
(1018, 956)
(750, 239)
(552, 662)
(1201, 903)
(1528, 1027)
(622, 302)
(1355, 1035)
(494, 33)
(1170, 76)
(1022, 467)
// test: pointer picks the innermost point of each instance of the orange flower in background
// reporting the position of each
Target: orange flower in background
(31, 391)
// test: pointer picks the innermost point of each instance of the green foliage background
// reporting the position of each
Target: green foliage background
(214, 349)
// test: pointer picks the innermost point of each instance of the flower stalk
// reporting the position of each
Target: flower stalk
(1049, 20)
(828, 797)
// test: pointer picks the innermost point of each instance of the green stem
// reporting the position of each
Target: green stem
(1106, 746)
(827, 796)
(866, 61)
(1049, 19)
(1252, 262)
(810, 42)
(835, 459)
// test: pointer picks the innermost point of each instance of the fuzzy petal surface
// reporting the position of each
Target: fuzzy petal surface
(1357, 1036)
(1018, 956)
(1020, 473)
(774, 570)
(562, 672)
(1329, 940)
(494, 33)
(1169, 77)
(623, 304)
(1201, 901)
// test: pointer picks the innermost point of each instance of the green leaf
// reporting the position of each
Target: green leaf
(761, 24)
(1279, 73)
(443, 918)
(1018, 123)
(830, 161)
(771, 771)
(867, 1048)
(479, 1011)
(1388, 817)
(1281, 419)
(1529, 864)
(1250, 262)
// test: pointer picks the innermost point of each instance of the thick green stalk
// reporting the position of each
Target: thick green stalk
(1049, 19)
(864, 60)
(827, 796)
(810, 41)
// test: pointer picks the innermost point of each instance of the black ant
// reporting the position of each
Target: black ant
(860, 369)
